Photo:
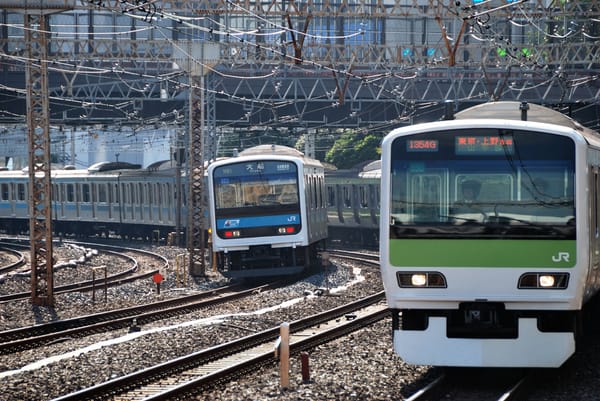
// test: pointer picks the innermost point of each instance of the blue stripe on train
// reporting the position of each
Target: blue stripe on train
(258, 221)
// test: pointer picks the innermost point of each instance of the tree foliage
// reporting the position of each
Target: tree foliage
(352, 148)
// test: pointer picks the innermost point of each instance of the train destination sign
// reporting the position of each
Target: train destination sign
(483, 145)
(422, 145)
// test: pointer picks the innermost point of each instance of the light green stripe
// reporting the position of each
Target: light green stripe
(482, 253)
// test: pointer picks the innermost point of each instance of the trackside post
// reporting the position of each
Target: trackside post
(284, 355)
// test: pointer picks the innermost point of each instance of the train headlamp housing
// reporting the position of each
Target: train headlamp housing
(555, 281)
(232, 234)
(286, 230)
(421, 280)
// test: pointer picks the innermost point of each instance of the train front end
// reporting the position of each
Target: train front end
(483, 244)
(256, 216)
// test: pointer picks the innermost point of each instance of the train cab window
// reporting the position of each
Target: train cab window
(4, 191)
(426, 197)
(503, 168)
(228, 196)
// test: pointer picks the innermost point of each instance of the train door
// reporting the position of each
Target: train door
(428, 197)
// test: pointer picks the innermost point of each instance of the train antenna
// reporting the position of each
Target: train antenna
(524, 107)
(449, 114)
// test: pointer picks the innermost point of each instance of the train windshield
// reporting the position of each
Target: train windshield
(483, 183)
(250, 184)
(257, 198)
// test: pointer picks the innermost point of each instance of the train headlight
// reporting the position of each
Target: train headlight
(555, 281)
(286, 230)
(232, 234)
(421, 280)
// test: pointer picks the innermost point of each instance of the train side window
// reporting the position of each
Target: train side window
(102, 195)
(330, 196)
(5, 192)
(109, 193)
(363, 197)
(78, 193)
(70, 192)
(85, 192)
(596, 216)
(167, 190)
(346, 196)
(141, 193)
(313, 184)
(150, 187)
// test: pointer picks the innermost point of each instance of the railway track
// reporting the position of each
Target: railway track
(195, 372)
(14, 259)
(127, 275)
(28, 337)
(477, 384)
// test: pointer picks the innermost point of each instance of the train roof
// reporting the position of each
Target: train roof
(276, 150)
(507, 110)
(279, 150)
(510, 110)
(109, 166)
(371, 170)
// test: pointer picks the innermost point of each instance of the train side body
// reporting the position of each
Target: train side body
(353, 207)
(498, 281)
(127, 202)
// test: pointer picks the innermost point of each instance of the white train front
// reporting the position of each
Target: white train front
(489, 236)
(268, 212)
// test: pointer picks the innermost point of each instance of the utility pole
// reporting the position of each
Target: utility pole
(195, 56)
(38, 134)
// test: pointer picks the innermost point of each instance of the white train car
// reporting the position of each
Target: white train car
(489, 236)
(267, 212)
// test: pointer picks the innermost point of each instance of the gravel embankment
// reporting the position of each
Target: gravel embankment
(361, 366)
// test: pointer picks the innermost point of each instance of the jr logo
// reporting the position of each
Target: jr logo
(561, 257)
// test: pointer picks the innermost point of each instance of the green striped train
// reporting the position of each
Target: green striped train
(490, 236)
